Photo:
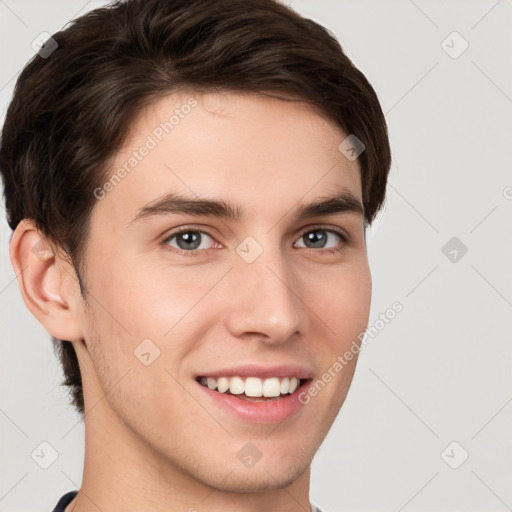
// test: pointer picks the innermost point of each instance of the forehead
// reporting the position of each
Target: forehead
(250, 149)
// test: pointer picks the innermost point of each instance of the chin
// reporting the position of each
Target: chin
(256, 481)
(265, 475)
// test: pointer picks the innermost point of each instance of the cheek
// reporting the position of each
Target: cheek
(340, 300)
(147, 299)
(341, 303)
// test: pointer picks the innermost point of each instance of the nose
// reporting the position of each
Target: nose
(264, 302)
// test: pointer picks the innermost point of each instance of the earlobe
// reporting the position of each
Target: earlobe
(44, 288)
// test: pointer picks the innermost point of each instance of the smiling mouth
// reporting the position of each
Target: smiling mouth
(254, 389)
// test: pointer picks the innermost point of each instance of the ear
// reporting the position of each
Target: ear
(47, 282)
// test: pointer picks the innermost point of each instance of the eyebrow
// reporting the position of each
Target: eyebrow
(343, 201)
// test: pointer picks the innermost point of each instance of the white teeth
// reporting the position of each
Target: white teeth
(252, 386)
(272, 387)
(222, 384)
(236, 385)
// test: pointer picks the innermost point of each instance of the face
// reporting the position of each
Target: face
(205, 269)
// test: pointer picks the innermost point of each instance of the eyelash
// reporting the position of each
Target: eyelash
(196, 252)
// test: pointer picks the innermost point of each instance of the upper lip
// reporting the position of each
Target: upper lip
(253, 370)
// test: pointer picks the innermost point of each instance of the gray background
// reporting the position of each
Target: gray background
(437, 373)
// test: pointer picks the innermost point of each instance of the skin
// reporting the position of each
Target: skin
(152, 443)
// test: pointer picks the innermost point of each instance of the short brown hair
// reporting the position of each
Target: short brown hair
(71, 109)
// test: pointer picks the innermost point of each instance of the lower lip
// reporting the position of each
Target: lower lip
(258, 412)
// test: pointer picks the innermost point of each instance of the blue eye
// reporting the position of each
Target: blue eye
(318, 238)
(188, 240)
(191, 242)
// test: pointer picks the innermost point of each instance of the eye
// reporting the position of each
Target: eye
(189, 240)
(318, 238)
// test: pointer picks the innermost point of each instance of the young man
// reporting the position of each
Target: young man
(189, 184)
